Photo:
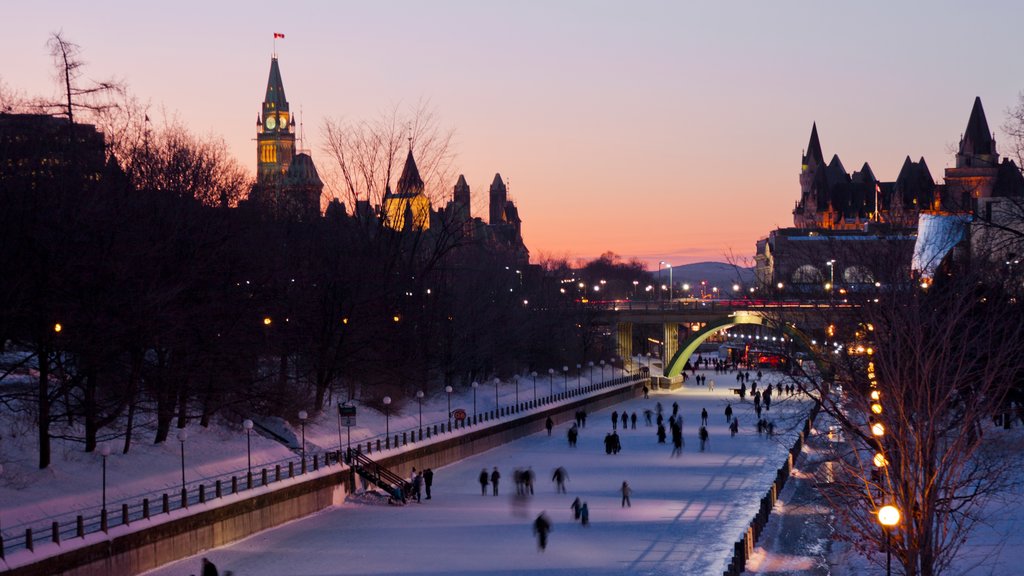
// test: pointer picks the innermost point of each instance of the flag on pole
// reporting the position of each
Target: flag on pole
(278, 35)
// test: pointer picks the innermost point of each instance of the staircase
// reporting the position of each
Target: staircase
(396, 486)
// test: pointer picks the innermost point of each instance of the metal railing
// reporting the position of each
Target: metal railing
(126, 511)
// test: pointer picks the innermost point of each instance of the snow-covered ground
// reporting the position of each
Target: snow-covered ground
(73, 483)
(686, 512)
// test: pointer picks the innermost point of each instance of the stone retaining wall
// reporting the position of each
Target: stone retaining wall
(138, 550)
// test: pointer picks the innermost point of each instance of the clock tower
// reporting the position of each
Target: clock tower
(275, 133)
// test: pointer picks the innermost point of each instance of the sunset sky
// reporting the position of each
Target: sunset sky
(658, 130)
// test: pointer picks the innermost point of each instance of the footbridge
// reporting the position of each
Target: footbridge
(687, 324)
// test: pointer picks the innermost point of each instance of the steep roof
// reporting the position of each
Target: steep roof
(498, 183)
(302, 171)
(915, 182)
(977, 138)
(462, 184)
(814, 147)
(410, 183)
(864, 176)
(275, 87)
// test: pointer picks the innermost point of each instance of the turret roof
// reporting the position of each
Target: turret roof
(275, 87)
(498, 182)
(814, 146)
(410, 183)
(977, 138)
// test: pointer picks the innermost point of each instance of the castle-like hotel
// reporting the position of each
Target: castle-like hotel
(848, 227)
(289, 187)
(832, 199)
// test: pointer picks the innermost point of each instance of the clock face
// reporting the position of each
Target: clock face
(284, 122)
(271, 122)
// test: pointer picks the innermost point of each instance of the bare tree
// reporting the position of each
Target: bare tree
(91, 96)
(368, 155)
(932, 366)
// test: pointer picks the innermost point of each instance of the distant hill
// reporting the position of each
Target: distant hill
(715, 273)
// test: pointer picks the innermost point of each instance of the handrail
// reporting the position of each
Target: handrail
(70, 525)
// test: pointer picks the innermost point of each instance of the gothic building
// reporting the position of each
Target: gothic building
(833, 199)
(287, 184)
(848, 226)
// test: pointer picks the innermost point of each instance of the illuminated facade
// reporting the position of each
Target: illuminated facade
(407, 208)
(287, 183)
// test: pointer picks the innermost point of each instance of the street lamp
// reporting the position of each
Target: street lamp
(515, 379)
(551, 381)
(534, 374)
(669, 282)
(419, 399)
(475, 385)
(660, 264)
(591, 365)
(497, 406)
(182, 436)
(888, 516)
(579, 372)
(302, 422)
(565, 378)
(448, 390)
(387, 421)
(104, 452)
(602, 371)
(247, 424)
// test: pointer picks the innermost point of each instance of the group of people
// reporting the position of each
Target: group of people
(627, 418)
(493, 478)
(421, 481)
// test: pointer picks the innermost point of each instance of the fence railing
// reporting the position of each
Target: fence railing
(126, 511)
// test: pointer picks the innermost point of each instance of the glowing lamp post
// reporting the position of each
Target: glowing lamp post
(551, 381)
(591, 366)
(247, 424)
(497, 406)
(104, 452)
(448, 390)
(302, 424)
(475, 386)
(565, 378)
(534, 374)
(182, 436)
(579, 371)
(387, 420)
(888, 517)
(419, 400)
(602, 371)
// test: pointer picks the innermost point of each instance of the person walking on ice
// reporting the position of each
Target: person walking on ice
(549, 424)
(495, 477)
(559, 478)
(585, 514)
(703, 437)
(484, 480)
(576, 506)
(728, 413)
(626, 491)
(703, 416)
(541, 527)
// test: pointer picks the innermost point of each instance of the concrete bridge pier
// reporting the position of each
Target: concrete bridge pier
(671, 340)
(624, 343)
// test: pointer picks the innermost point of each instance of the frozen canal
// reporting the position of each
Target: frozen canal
(686, 512)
